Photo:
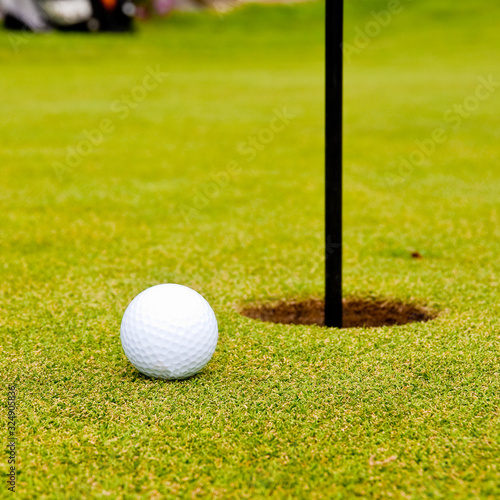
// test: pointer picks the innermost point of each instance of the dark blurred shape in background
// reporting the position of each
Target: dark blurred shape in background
(98, 15)
(68, 15)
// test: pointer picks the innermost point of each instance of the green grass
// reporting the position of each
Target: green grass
(281, 411)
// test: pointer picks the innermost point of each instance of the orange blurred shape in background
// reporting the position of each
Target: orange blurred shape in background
(109, 4)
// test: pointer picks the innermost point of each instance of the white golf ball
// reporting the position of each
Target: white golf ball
(169, 332)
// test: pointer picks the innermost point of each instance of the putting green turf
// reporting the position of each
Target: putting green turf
(281, 411)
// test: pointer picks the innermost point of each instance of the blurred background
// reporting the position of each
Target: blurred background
(100, 15)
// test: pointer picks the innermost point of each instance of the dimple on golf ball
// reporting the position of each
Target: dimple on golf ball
(169, 332)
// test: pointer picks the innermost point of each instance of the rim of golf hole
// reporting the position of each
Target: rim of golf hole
(357, 312)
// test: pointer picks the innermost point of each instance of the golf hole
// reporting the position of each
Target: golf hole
(358, 313)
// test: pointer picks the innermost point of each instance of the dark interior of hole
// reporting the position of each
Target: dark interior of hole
(357, 313)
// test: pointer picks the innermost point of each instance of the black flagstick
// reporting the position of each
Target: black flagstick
(333, 155)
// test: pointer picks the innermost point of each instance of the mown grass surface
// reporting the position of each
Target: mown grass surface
(281, 411)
